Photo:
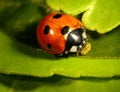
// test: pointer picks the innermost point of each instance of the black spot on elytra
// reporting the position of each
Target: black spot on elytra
(49, 46)
(64, 30)
(57, 16)
(46, 29)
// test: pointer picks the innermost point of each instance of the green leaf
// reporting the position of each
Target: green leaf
(69, 6)
(19, 19)
(103, 17)
(99, 15)
(106, 45)
(18, 59)
(58, 84)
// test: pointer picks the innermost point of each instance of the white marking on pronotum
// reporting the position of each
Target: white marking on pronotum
(73, 49)
(84, 35)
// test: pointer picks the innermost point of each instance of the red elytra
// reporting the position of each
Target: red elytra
(49, 34)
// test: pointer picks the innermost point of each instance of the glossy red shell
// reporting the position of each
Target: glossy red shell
(55, 38)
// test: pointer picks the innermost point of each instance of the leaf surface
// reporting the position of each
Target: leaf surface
(99, 15)
(58, 84)
(16, 57)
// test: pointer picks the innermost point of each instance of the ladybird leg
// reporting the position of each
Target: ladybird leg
(86, 49)
(55, 56)
(58, 55)
(78, 53)
(79, 48)
(64, 54)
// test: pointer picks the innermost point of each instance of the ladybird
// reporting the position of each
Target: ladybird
(62, 34)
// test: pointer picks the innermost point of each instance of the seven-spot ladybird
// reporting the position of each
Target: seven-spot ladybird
(60, 34)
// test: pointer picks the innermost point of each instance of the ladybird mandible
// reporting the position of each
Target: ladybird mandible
(60, 34)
